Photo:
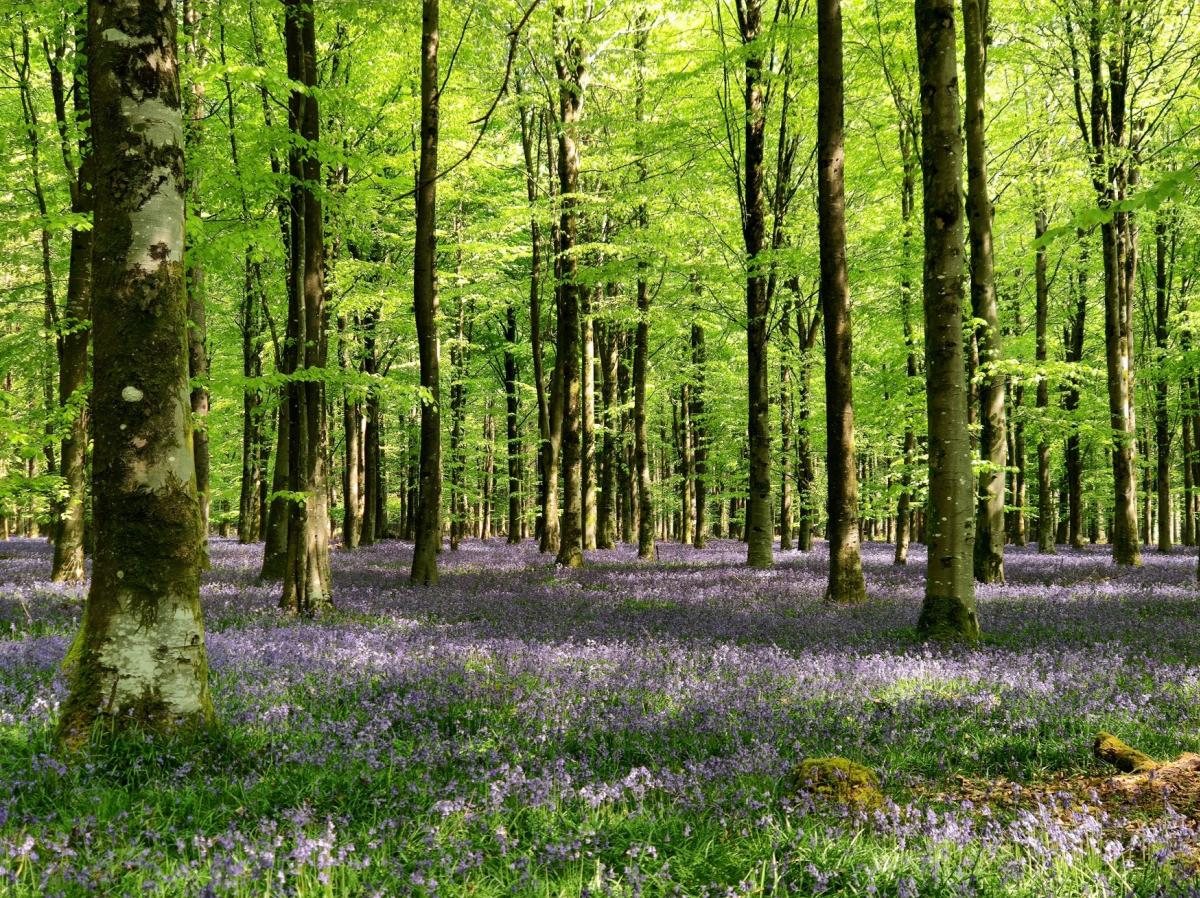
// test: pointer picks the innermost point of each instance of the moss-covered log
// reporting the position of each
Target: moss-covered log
(140, 660)
(1111, 750)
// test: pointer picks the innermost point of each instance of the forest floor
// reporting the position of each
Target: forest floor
(627, 729)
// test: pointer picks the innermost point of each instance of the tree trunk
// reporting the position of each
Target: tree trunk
(606, 514)
(307, 586)
(845, 562)
(139, 661)
(569, 63)
(759, 532)
(197, 324)
(588, 468)
(993, 442)
(786, 409)
(512, 409)
(1045, 522)
(949, 607)
(700, 438)
(1162, 424)
(425, 306)
(352, 432)
(1073, 338)
(908, 148)
(75, 326)
(373, 498)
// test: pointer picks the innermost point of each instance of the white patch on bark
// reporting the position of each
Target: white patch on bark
(132, 394)
(157, 225)
(157, 659)
(177, 465)
(121, 39)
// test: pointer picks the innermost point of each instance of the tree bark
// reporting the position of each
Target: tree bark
(570, 66)
(139, 661)
(1162, 424)
(75, 327)
(949, 607)
(908, 149)
(425, 306)
(846, 583)
(993, 442)
(606, 513)
(588, 467)
(512, 410)
(700, 438)
(1073, 338)
(1045, 523)
(307, 582)
(759, 531)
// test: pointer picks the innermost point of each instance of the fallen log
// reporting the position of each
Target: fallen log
(1111, 750)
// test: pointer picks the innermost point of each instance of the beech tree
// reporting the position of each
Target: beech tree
(139, 660)
(949, 608)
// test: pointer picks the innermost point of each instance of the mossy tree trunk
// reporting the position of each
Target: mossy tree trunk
(307, 587)
(425, 304)
(993, 442)
(569, 62)
(846, 584)
(140, 659)
(949, 607)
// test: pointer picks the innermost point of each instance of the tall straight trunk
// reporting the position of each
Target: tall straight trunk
(806, 475)
(993, 442)
(588, 428)
(425, 305)
(699, 437)
(786, 409)
(1187, 521)
(307, 582)
(194, 103)
(949, 607)
(759, 531)
(1045, 517)
(75, 328)
(512, 433)
(1105, 130)
(252, 492)
(1162, 424)
(687, 466)
(846, 583)
(458, 408)
(908, 149)
(641, 338)
(275, 530)
(1073, 338)
(373, 496)
(641, 454)
(627, 491)
(139, 661)
(546, 530)
(569, 62)
(606, 513)
(352, 432)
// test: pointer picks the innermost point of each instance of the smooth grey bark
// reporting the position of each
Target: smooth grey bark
(139, 660)
(948, 611)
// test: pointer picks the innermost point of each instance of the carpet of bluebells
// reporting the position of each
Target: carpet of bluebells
(628, 729)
